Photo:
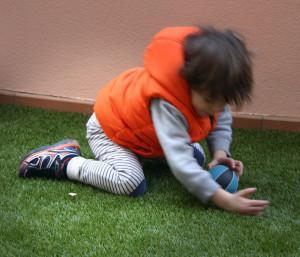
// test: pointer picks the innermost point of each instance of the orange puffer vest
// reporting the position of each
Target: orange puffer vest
(122, 107)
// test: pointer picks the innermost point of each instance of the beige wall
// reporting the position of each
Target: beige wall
(70, 48)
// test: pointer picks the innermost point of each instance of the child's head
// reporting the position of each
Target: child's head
(218, 68)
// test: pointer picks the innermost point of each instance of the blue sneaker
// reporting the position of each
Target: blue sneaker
(49, 161)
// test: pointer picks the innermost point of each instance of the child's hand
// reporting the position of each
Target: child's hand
(221, 158)
(239, 202)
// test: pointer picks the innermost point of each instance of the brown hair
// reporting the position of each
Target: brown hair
(219, 64)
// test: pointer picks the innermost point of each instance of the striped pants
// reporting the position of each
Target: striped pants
(115, 169)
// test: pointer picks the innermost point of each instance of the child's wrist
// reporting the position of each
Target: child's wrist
(219, 154)
(221, 198)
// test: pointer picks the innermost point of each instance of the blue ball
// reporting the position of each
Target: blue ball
(225, 177)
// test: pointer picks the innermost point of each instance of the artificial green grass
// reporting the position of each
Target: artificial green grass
(39, 218)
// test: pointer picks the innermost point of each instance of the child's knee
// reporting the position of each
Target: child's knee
(199, 154)
(140, 189)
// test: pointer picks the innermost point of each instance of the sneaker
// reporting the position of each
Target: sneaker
(49, 161)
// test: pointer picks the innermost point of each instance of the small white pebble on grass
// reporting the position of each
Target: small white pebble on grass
(72, 194)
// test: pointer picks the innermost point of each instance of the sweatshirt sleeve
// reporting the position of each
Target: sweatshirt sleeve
(220, 138)
(171, 129)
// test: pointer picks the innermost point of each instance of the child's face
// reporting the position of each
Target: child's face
(204, 106)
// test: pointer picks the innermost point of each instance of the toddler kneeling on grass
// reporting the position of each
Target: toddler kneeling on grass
(163, 109)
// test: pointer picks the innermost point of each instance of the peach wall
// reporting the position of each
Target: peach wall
(70, 48)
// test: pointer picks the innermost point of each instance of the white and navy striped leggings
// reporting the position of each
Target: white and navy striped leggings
(116, 169)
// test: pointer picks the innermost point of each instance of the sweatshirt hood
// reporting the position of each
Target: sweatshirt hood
(164, 56)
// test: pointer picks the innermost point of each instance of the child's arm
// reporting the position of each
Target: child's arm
(171, 129)
(220, 138)
(219, 141)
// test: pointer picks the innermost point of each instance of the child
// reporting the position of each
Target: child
(178, 98)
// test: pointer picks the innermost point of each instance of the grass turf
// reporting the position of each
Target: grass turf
(39, 218)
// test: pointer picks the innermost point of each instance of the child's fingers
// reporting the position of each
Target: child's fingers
(246, 192)
(229, 162)
(256, 209)
(259, 203)
(226, 161)
(211, 164)
(238, 173)
(239, 167)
